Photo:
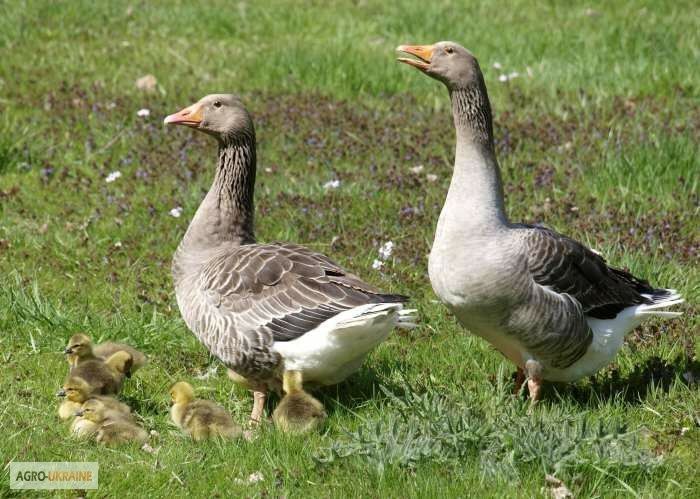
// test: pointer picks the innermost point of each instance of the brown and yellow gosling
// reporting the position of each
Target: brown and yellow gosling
(298, 411)
(200, 419)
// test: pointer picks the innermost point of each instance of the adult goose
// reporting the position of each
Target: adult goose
(263, 309)
(548, 303)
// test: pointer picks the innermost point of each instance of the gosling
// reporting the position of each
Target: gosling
(200, 419)
(75, 391)
(298, 412)
(80, 348)
(103, 377)
(111, 428)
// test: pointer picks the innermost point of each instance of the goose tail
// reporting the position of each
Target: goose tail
(661, 300)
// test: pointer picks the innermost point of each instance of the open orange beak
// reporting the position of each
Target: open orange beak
(424, 54)
(191, 116)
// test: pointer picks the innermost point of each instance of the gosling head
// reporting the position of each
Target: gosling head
(447, 62)
(220, 115)
(75, 389)
(181, 393)
(92, 410)
(79, 345)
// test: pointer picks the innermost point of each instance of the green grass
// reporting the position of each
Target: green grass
(598, 140)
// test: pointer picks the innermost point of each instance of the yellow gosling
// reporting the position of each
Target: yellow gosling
(298, 411)
(80, 348)
(200, 419)
(112, 428)
(76, 390)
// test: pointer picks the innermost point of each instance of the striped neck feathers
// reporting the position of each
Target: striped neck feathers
(476, 179)
(227, 213)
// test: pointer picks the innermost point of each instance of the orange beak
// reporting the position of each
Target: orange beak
(424, 54)
(191, 116)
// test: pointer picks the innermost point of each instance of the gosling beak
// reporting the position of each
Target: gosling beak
(79, 412)
(67, 350)
(191, 116)
(424, 54)
(61, 393)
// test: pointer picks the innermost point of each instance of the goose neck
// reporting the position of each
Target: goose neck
(475, 196)
(227, 213)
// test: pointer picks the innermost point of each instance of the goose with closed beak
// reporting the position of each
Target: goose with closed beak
(550, 304)
(260, 308)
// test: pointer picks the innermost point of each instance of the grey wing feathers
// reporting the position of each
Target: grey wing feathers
(566, 266)
(283, 289)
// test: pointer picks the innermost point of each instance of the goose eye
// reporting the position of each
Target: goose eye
(449, 50)
(217, 103)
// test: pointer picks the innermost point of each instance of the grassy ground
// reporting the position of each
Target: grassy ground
(597, 137)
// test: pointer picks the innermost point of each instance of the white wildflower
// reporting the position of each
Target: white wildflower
(113, 176)
(386, 250)
(252, 478)
(256, 477)
(497, 65)
(176, 212)
(377, 264)
(507, 77)
(143, 113)
(332, 184)
(431, 177)
(417, 169)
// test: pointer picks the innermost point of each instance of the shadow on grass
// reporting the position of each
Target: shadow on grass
(633, 388)
(361, 387)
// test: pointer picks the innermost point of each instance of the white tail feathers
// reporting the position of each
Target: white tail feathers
(660, 304)
(407, 318)
(379, 313)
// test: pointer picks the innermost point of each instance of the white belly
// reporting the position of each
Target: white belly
(607, 341)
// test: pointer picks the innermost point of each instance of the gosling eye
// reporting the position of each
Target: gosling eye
(217, 103)
(449, 50)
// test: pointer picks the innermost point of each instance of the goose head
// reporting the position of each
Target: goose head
(220, 115)
(447, 62)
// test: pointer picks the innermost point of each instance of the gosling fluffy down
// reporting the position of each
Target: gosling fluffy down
(111, 427)
(103, 377)
(298, 411)
(75, 391)
(81, 348)
(200, 419)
